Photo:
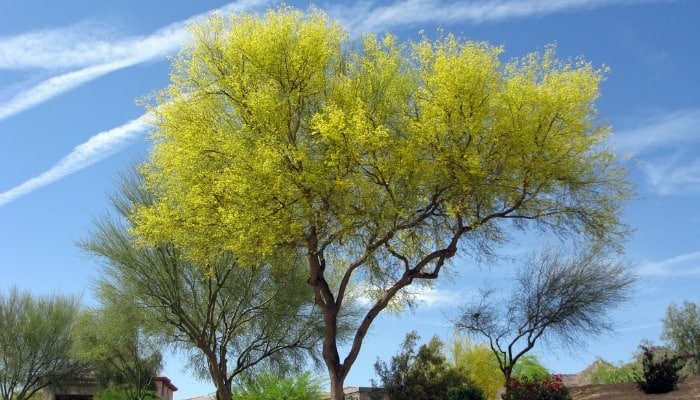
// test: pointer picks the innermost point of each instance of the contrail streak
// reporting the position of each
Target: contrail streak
(96, 148)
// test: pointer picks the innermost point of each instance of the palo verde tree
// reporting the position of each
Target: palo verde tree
(36, 343)
(377, 161)
(230, 320)
(555, 296)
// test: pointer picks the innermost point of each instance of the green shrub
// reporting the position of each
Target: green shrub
(267, 386)
(659, 371)
(551, 388)
(465, 392)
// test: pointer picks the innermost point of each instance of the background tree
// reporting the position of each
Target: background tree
(557, 296)
(35, 343)
(476, 362)
(112, 339)
(422, 374)
(231, 320)
(377, 161)
(681, 331)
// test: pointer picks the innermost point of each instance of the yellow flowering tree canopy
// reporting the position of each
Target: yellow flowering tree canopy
(377, 159)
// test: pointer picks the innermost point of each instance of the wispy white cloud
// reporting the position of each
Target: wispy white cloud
(76, 47)
(664, 130)
(56, 86)
(98, 147)
(418, 294)
(366, 16)
(670, 176)
(95, 58)
(84, 44)
(438, 297)
(80, 46)
(681, 265)
(665, 146)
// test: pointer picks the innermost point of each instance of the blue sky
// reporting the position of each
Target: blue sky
(69, 124)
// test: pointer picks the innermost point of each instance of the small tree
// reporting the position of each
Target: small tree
(563, 297)
(35, 343)
(681, 331)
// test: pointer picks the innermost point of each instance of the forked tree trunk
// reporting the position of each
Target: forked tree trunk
(330, 306)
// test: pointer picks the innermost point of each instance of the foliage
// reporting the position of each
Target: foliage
(659, 371)
(565, 297)
(111, 338)
(271, 386)
(123, 393)
(681, 330)
(606, 373)
(465, 391)
(375, 160)
(477, 363)
(530, 369)
(230, 320)
(550, 388)
(35, 343)
(422, 374)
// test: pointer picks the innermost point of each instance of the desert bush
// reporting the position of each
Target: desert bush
(659, 371)
(551, 388)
